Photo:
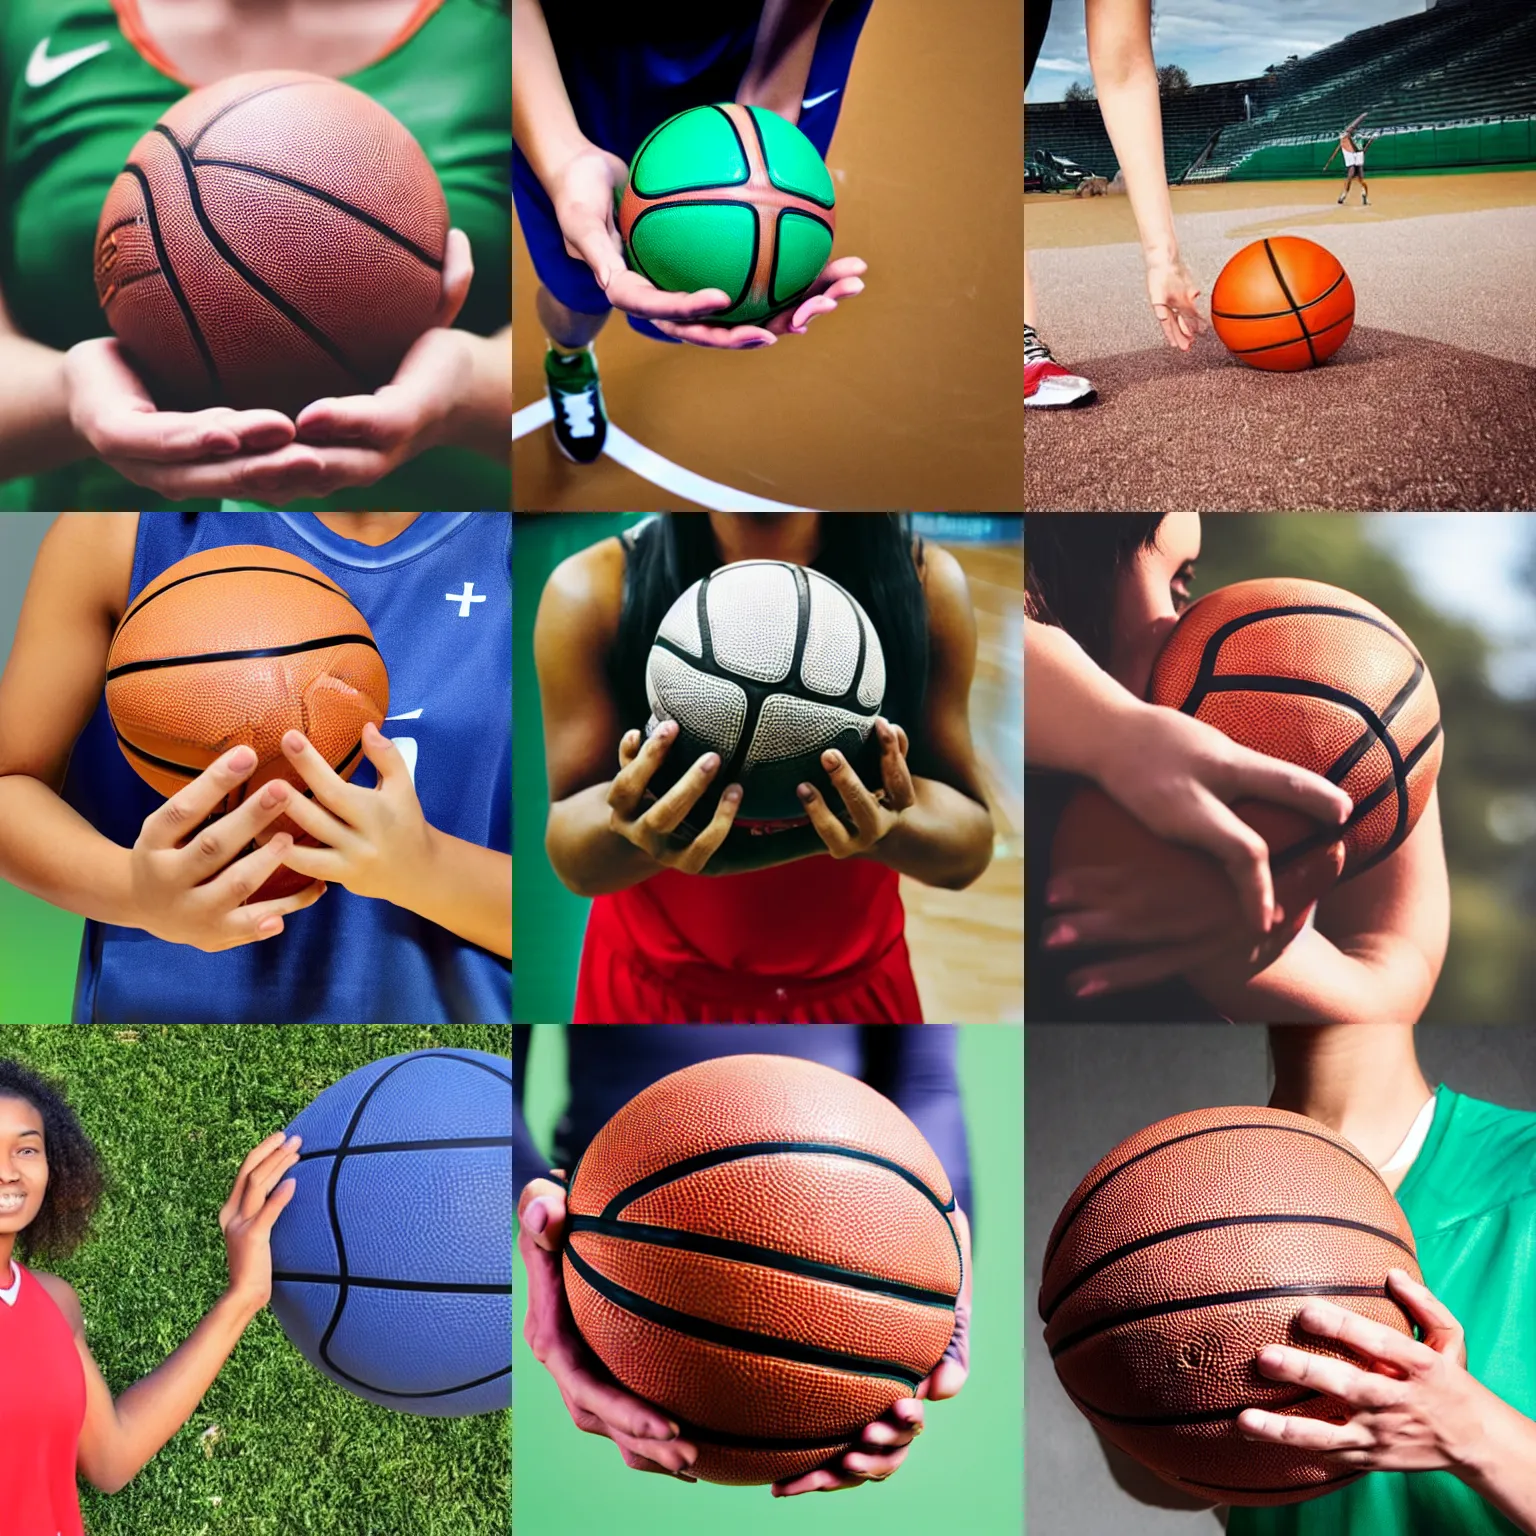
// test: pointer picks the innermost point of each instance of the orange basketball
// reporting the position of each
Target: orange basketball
(765, 1249)
(232, 647)
(275, 238)
(1283, 304)
(1317, 676)
(1183, 1253)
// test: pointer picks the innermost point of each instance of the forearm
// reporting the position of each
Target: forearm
(49, 850)
(781, 56)
(35, 430)
(152, 1410)
(480, 421)
(466, 889)
(1072, 707)
(588, 856)
(1502, 1466)
(544, 124)
(1125, 75)
(944, 839)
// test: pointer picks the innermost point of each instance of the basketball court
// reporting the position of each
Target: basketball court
(1431, 403)
(909, 395)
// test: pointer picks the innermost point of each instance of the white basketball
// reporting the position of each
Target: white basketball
(768, 664)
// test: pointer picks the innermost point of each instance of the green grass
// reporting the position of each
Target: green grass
(274, 1449)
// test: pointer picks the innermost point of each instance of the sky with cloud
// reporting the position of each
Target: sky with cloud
(1214, 39)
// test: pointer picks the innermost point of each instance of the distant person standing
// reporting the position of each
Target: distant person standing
(1354, 162)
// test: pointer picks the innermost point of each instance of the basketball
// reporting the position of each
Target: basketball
(1283, 304)
(1189, 1248)
(276, 238)
(768, 664)
(734, 198)
(392, 1265)
(233, 647)
(765, 1249)
(1315, 675)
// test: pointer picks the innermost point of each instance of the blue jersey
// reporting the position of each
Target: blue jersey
(438, 598)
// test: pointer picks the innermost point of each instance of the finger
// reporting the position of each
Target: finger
(1244, 855)
(318, 822)
(262, 1150)
(621, 1410)
(221, 840)
(636, 295)
(279, 1202)
(629, 747)
(822, 1480)
(899, 791)
(331, 790)
(850, 788)
(725, 338)
(544, 1220)
(458, 272)
(1334, 1378)
(231, 888)
(1365, 1336)
(1084, 888)
(832, 832)
(704, 845)
(668, 812)
(638, 1462)
(265, 1177)
(189, 807)
(1441, 1331)
(264, 919)
(1155, 964)
(947, 1379)
(627, 792)
(289, 470)
(1303, 1434)
(323, 865)
(875, 1465)
(388, 763)
(1269, 778)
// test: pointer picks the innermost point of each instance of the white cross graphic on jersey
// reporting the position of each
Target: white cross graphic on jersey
(465, 598)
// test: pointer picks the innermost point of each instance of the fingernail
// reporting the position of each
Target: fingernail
(830, 760)
(1089, 988)
(732, 794)
(685, 1477)
(270, 925)
(295, 1141)
(293, 743)
(536, 1219)
(806, 793)
(709, 762)
(1064, 933)
(667, 729)
(1271, 1356)
(281, 843)
(274, 793)
(241, 759)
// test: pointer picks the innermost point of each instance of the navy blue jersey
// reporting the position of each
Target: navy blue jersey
(912, 1065)
(438, 598)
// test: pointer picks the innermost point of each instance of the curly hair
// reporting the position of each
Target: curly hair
(75, 1177)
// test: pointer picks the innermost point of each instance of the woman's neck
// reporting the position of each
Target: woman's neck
(1361, 1080)
(370, 528)
(792, 536)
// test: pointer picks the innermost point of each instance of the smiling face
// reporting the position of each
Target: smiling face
(1151, 593)
(23, 1165)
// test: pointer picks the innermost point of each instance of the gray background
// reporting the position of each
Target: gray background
(1088, 1087)
(20, 535)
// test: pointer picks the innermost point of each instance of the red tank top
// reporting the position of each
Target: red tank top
(42, 1410)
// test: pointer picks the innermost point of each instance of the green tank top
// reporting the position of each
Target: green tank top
(1470, 1198)
(76, 94)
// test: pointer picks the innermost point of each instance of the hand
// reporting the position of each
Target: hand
(842, 278)
(1176, 775)
(888, 1438)
(872, 819)
(647, 1440)
(259, 1197)
(187, 878)
(1418, 1409)
(375, 842)
(1172, 290)
(584, 193)
(652, 828)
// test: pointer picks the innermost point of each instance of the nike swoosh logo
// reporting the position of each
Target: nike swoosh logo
(816, 101)
(41, 70)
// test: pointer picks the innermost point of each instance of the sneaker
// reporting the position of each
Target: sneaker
(1365, 202)
(575, 392)
(1341, 200)
(1047, 385)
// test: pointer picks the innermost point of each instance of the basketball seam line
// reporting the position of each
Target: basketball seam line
(254, 654)
(240, 101)
(185, 770)
(693, 1432)
(1275, 346)
(173, 282)
(1215, 1223)
(702, 186)
(762, 147)
(1327, 1482)
(340, 204)
(445, 1144)
(1280, 314)
(445, 1287)
(1229, 1125)
(715, 317)
(1214, 1299)
(224, 570)
(742, 1339)
(1290, 299)
(1169, 1420)
(258, 283)
(761, 1257)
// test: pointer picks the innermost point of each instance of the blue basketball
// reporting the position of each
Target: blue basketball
(392, 1266)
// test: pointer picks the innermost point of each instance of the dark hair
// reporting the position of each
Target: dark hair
(871, 554)
(1073, 560)
(75, 1178)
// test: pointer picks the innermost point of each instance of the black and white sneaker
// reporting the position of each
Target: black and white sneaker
(576, 394)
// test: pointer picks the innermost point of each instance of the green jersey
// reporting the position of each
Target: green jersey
(78, 88)
(1470, 1197)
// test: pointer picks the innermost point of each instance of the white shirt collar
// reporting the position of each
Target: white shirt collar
(9, 1294)
(1413, 1142)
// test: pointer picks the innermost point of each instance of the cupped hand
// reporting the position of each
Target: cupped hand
(1417, 1409)
(187, 877)
(652, 826)
(842, 278)
(374, 842)
(259, 1197)
(1177, 775)
(887, 1441)
(1175, 301)
(873, 819)
(647, 1440)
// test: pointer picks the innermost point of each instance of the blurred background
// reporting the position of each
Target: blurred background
(1462, 585)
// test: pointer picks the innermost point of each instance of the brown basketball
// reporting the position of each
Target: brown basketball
(274, 239)
(232, 647)
(1183, 1253)
(1317, 676)
(765, 1249)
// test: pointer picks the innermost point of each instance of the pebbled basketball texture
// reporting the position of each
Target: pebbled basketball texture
(769, 664)
(392, 1265)
(274, 239)
(1315, 675)
(1283, 304)
(765, 1249)
(233, 647)
(729, 197)
(1190, 1247)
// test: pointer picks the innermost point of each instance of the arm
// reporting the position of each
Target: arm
(782, 55)
(118, 1439)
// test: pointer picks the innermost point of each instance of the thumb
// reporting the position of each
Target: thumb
(380, 751)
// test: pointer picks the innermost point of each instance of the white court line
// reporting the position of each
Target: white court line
(642, 461)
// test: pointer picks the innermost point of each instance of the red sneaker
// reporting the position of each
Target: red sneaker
(1047, 385)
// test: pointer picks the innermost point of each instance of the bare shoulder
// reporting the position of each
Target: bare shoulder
(584, 594)
(89, 556)
(64, 1298)
(951, 619)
